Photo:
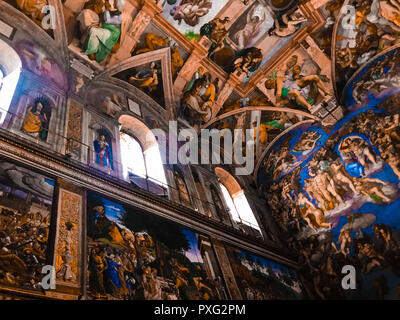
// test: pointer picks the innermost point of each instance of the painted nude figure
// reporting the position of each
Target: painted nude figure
(294, 89)
(370, 186)
(313, 216)
(290, 27)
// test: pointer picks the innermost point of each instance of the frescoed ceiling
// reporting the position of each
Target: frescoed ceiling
(264, 65)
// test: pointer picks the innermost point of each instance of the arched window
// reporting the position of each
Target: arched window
(10, 69)
(154, 165)
(140, 154)
(132, 156)
(236, 200)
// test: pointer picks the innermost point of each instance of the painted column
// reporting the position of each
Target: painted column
(139, 24)
(226, 269)
(74, 145)
(192, 65)
(68, 253)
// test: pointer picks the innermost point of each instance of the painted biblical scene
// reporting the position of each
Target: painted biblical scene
(290, 151)
(299, 84)
(135, 255)
(375, 82)
(340, 204)
(25, 211)
(148, 78)
(189, 15)
(262, 279)
(153, 38)
(244, 42)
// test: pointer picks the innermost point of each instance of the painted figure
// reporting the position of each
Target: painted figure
(217, 32)
(100, 38)
(249, 60)
(295, 89)
(199, 100)
(176, 61)
(103, 152)
(153, 42)
(147, 78)
(259, 18)
(291, 22)
(182, 189)
(36, 120)
(191, 11)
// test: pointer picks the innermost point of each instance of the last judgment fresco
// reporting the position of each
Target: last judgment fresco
(335, 194)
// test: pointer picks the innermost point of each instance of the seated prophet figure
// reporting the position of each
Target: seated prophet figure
(199, 100)
(100, 38)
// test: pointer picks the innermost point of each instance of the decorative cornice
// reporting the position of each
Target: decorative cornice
(109, 186)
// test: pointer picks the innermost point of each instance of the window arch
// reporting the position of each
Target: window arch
(132, 156)
(140, 154)
(236, 200)
(10, 69)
